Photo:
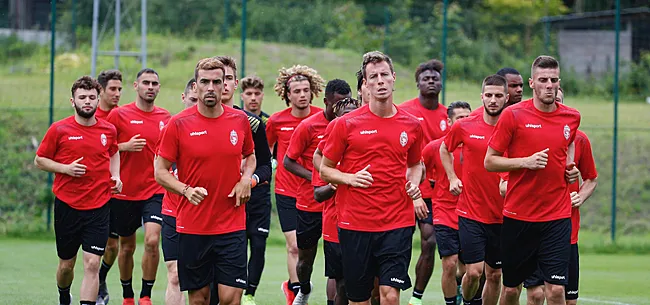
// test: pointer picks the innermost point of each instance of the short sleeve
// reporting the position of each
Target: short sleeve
(503, 132)
(336, 142)
(299, 142)
(168, 146)
(271, 136)
(249, 146)
(455, 137)
(429, 154)
(113, 149)
(415, 151)
(113, 118)
(49, 145)
(586, 164)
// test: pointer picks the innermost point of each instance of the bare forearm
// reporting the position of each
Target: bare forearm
(318, 158)
(414, 174)
(123, 146)
(333, 175)
(447, 160)
(49, 165)
(496, 163)
(168, 181)
(571, 152)
(250, 162)
(293, 167)
(322, 193)
(587, 189)
(115, 165)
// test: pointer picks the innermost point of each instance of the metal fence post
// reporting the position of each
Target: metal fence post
(243, 45)
(615, 137)
(52, 54)
(445, 4)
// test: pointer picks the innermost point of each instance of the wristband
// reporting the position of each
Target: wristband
(187, 186)
(254, 180)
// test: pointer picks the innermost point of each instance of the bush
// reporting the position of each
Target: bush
(12, 48)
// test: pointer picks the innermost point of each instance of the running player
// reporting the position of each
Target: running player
(445, 219)
(109, 98)
(363, 95)
(298, 161)
(538, 136)
(82, 153)
(258, 208)
(214, 178)
(173, 294)
(297, 86)
(252, 88)
(480, 205)
(379, 149)
(515, 88)
(138, 127)
(433, 118)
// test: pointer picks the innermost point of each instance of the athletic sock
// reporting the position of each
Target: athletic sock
(450, 301)
(466, 302)
(250, 290)
(477, 300)
(103, 271)
(305, 288)
(295, 287)
(146, 288)
(418, 293)
(330, 302)
(64, 295)
(87, 302)
(127, 289)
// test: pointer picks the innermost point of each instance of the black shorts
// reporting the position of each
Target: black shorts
(529, 245)
(169, 238)
(258, 211)
(127, 216)
(534, 280)
(480, 242)
(571, 289)
(448, 240)
(309, 229)
(429, 219)
(367, 255)
(286, 212)
(333, 260)
(203, 259)
(112, 233)
(74, 228)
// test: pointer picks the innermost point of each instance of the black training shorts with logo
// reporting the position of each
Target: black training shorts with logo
(85, 228)
(480, 242)
(309, 229)
(127, 216)
(169, 238)
(333, 260)
(448, 240)
(287, 212)
(258, 211)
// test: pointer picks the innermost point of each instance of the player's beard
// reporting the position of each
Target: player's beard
(148, 99)
(546, 100)
(214, 100)
(493, 113)
(84, 114)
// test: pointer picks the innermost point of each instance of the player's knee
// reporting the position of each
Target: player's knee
(555, 291)
(66, 266)
(449, 265)
(91, 263)
(292, 249)
(258, 243)
(429, 245)
(127, 249)
(389, 296)
(571, 302)
(493, 276)
(510, 293)
(474, 273)
(111, 247)
(535, 295)
(151, 242)
(172, 274)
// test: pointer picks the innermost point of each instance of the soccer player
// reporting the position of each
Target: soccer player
(298, 161)
(363, 95)
(258, 208)
(515, 87)
(173, 294)
(445, 219)
(109, 98)
(297, 86)
(252, 88)
(379, 148)
(138, 127)
(538, 136)
(82, 153)
(433, 118)
(480, 205)
(216, 144)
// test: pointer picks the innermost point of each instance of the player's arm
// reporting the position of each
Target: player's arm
(262, 156)
(447, 159)
(503, 187)
(166, 179)
(329, 173)
(74, 169)
(317, 159)
(322, 193)
(295, 168)
(496, 162)
(572, 173)
(115, 172)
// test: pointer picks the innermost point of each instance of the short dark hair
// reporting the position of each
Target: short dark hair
(337, 86)
(375, 57)
(345, 102)
(507, 70)
(228, 61)
(146, 71)
(189, 85)
(251, 82)
(457, 105)
(209, 63)
(431, 65)
(108, 75)
(544, 62)
(86, 82)
(359, 75)
(495, 80)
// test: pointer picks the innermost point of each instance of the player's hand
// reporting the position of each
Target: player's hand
(333, 187)
(135, 143)
(455, 187)
(576, 200)
(537, 161)
(413, 190)
(572, 173)
(421, 210)
(362, 178)
(117, 188)
(241, 192)
(196, 194)
(75, 169)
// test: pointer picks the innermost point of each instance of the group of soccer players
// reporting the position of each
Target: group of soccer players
(497, 190)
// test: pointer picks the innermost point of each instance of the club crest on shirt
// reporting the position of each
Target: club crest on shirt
(567, 131)
(443, 125)
(233, 137)
(103, 139)
(161, 125)
(403, 138)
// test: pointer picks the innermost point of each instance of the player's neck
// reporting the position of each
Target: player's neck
(300, 113)
(144, 106)
(105, 106)
(429, 102)
(489, 119)
(210, 112)
(230, 102)
(383, 109)
(541, 106)
(255, 112)
(85, 121)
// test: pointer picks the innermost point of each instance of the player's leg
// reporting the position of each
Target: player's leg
(173, 294)
(308, 232)
(334, 273)
(359, 266)
(330, 291)
(230, 267)
(94, 236)
(448, 248)
(553, 259)
(110, 255)
(152, 219)
(90, 282)
(392, 252)
(67, 229)
(574, 276)
(519, 245)
(493, 264)
(473, 242)
(127, 216)
(424, 266)
(534, 285)
(196, 266)
(287, 214)
(258, 222)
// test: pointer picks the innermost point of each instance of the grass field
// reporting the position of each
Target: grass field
(27, 269)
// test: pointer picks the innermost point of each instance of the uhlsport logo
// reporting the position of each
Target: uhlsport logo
(567, 132)
(403, 138)
(443, 125)
(233, 137)
(558, 277)
(103, 138)
(396, 280)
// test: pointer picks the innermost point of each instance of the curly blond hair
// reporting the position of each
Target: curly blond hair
(298, 73)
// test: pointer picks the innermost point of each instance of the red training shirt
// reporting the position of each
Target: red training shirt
(522, 130)
(66, 141)
(279, 129)
(584, 160)
(101, 114)
(389, 146)
(137, 167)
(330, 213)
(170, 200)
(480, 199)
(443, 201)
(208, 153)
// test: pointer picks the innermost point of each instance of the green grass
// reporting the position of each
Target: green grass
(28, 266)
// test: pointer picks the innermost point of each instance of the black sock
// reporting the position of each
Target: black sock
(477, 300)
(418, 293)
(450, 301)
(64, 295)
(255, 262)
(250, 290)
(103, 271)
(87, 302)
(127, 289)
(466, 302)
(295, 287)
(305, 288)
(330, 302)
(146, 288)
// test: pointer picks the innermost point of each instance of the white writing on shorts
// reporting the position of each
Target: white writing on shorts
(558, 277)
(156, 217)
(396, 280)
(263, 230)
(96, 248)
(240, 281)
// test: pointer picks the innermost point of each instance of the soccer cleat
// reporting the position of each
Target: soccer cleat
(415, 301)
(102, 294)
(288, 294)
(248, 300)
(128, 301)
(301, 299)
(144, 301)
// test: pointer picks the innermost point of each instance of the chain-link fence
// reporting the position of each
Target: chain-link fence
(474, 38)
